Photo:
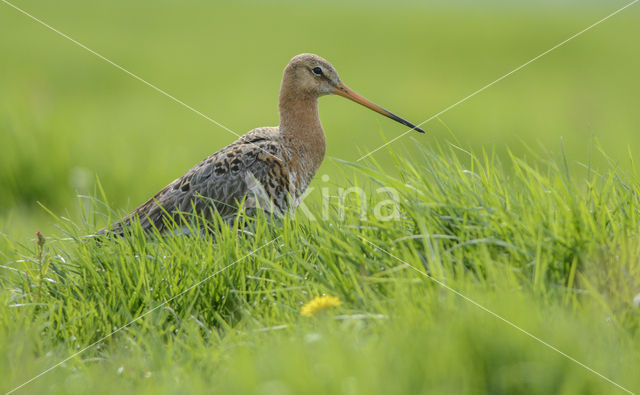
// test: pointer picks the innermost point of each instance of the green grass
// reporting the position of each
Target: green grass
(508, 199)
(556, 257)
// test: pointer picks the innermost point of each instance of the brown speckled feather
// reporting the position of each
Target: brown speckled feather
(250, 167)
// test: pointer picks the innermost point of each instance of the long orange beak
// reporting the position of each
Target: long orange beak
(344, 91)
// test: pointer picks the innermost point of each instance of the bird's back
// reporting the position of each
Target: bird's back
(252, 171)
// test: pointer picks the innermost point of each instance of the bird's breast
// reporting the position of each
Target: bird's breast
(302, 167)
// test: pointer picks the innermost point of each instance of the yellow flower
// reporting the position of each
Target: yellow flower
(319, 303)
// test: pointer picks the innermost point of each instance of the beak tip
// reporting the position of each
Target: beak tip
(417, 129)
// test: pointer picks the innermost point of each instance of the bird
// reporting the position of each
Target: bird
(268, 168)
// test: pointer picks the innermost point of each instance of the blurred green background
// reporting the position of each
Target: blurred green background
(68, 117)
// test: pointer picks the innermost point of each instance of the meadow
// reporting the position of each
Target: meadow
(517, 212)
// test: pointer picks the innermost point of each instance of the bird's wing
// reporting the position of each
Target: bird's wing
(249, 167)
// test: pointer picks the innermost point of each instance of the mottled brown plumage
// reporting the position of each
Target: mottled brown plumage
(268, 168)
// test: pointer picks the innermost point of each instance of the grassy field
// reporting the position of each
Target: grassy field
(523, 199)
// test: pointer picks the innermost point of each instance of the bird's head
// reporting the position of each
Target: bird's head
(312, 74)
(315, 76)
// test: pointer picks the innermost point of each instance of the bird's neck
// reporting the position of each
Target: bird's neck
(300, 124)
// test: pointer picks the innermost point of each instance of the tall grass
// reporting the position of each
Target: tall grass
(554, 253)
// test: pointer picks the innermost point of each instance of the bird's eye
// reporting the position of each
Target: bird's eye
(317, 71)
